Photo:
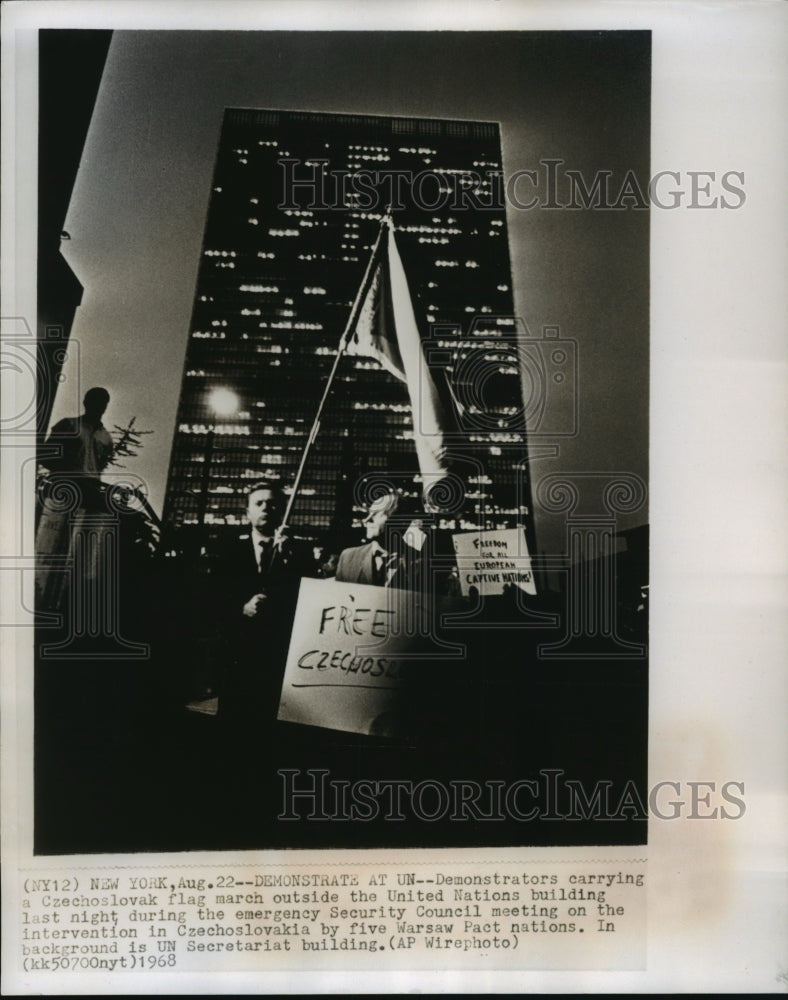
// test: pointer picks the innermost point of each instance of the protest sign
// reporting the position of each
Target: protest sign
(350, 650)
(491, 560)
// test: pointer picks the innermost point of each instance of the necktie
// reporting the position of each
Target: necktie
(261, 552)
(384, 567)
(379, 574)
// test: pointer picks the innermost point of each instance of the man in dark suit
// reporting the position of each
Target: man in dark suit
(257, 580)
(391, 556)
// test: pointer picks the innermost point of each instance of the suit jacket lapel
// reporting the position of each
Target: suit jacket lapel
(368, 566)
(266, 558)
(250, 557)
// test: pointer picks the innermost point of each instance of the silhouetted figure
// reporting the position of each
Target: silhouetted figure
(73, 493)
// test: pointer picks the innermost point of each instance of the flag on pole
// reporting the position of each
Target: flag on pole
(387, 331)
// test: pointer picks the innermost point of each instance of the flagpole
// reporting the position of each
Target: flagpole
(366, 281)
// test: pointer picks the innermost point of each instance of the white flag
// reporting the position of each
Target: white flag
(387, 331)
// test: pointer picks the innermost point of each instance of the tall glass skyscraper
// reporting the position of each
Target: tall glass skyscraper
(295, 207)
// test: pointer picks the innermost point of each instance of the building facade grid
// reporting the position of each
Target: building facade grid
(295, 206)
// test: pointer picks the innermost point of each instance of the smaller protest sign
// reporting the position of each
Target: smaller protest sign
(489, 561)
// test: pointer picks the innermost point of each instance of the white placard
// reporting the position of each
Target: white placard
(350, 648)
(490, 561)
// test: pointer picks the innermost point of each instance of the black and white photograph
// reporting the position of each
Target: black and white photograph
(392, 552)
(343, 484)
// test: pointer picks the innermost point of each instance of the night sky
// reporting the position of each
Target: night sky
(138, 207)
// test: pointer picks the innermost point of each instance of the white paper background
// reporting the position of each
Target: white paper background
(717, 903)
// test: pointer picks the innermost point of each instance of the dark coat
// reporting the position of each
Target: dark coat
(357, 565)
(256, 647)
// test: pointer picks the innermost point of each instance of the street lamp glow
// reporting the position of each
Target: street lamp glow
(223, 402)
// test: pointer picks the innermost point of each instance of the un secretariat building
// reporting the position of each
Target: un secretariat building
(295, 207)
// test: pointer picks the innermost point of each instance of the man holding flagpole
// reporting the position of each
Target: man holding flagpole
(257, 580)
